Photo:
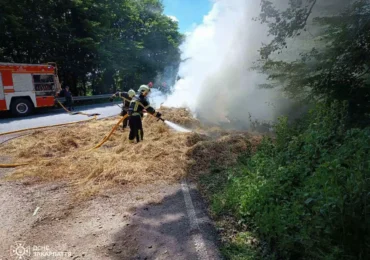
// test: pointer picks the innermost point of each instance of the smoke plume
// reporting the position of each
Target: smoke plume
(217, 82)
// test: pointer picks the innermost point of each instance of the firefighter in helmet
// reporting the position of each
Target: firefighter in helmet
(136, 112)
(126, 99)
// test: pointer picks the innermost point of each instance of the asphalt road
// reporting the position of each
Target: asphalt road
(55, 116)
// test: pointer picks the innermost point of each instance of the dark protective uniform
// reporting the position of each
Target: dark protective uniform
(136, 113)
(68, 96)
(126, 99)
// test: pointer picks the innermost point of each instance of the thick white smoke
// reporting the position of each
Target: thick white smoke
(217, 82)
(156, 98)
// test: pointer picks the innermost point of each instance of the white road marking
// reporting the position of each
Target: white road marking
(194, 226)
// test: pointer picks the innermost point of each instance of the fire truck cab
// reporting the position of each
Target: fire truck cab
(24, 87)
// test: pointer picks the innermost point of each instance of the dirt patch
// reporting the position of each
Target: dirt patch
(19, 202)
(137, 223)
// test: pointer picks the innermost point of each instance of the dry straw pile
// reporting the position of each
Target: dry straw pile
(164, 156)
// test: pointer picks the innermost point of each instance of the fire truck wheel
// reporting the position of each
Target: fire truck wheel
(21, 107)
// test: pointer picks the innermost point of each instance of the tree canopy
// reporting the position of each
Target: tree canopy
(99, 45)
(337, 65)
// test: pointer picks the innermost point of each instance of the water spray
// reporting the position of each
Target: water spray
(175, 127)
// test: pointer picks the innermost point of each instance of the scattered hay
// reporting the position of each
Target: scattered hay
(164, 156)
(217, 153)
(159, 157)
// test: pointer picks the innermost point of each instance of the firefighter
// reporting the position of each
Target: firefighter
(126, 99)
(68, 96)
(136, 112)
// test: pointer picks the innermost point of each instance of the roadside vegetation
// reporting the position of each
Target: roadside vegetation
(304, 194)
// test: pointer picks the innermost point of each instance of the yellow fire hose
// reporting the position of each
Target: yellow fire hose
(12, 165)
(110, 134)
(75, 113)
(106, 138)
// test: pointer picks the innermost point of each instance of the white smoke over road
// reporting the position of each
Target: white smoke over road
(156, 98)
(217, 83)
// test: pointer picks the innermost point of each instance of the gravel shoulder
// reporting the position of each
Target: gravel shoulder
(147, 222)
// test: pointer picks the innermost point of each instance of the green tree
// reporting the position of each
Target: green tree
(284, 24)
(98, 45)
(336, 68)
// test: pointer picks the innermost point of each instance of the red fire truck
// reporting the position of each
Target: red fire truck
(24, 87)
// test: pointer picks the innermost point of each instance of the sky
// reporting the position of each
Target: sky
(187, 12)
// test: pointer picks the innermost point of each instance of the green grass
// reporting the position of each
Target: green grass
(304, 195)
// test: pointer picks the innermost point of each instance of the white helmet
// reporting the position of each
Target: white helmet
(144, 90)
(131, 93)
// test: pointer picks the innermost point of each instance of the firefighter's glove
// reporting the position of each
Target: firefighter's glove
(111, 99)
(158, 115)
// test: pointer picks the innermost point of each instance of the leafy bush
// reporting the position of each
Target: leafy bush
(307, 192)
